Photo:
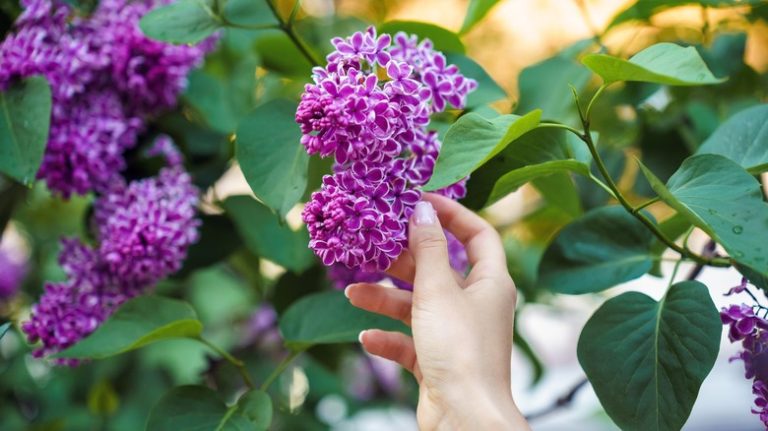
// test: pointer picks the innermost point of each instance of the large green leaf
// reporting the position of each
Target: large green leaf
(268, 236)
(25, 116)
(743, 139)
(4, 329)
(272, 159)
(545, 85)
(473, 140)
(646, 360)
(539, 153)
(278, 53)
(218, 240)
(327, 318)
(476, 11)
(722, 199)
(184, 21)
(603, 248)
(198, 408)
(487, 90)
(140, 321)
(662, 63)
(443, 39)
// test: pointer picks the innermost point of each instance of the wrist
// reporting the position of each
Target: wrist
(490, 411)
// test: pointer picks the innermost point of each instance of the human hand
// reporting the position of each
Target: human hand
(460, 352)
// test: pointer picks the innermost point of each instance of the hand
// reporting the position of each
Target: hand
(461, 348)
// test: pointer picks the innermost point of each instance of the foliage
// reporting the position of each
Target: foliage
(618, 194)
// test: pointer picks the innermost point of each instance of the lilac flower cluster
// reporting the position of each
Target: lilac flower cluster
(752, 331)
(370, 108)
(106, 78)
(12, 272)
(144, 229)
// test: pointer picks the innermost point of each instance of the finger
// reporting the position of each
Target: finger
(484, 248)
(429, 248)
(394, 346)
(404, 268)
(388, 301)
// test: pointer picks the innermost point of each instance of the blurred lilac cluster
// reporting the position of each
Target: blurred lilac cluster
(143, 229)
(370, 108)
(752, 330)
(12, 272)
(105, 77)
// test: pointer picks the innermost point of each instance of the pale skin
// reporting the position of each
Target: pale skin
(460, 352)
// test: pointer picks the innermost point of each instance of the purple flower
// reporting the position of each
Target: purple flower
(743, 322)
(143, 231)
(12, 272)
(106, 79)
(738, 289)
(376, 130)
(262, 330)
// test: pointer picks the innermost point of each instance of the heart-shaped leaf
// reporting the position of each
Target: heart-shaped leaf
(487, 90)
(138, 322)
(473, 140)
(272, 159)
(184, 21)
(476, 11)
(603, 248)
(662, 63)
(646, 360)
(743, 139)
(721, 198)
(25, 116)
(327, 318)
(444, 40)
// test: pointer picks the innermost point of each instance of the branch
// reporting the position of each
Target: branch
(287, 27)
(563, 401)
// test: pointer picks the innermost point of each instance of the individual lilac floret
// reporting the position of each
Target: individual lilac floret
(143, 230)
(752, 330)
(369, 108)
(106, 79)
(12, 272)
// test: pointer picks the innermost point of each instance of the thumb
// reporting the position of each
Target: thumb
(429, 248)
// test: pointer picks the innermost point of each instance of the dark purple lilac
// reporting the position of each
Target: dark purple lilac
(752, 331)
(12, 272)
(106, 79)
(370, 108)
(143, 230)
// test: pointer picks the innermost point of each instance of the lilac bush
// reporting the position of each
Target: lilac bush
(376, 129)
(106, 79)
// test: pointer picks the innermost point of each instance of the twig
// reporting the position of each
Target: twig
(709, 251)
(237, 363)
(280, 368)
(563, 401)
(289, 30)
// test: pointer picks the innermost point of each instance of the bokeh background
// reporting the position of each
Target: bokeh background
(529, 48)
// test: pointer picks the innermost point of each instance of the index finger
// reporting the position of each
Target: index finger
(480, 239)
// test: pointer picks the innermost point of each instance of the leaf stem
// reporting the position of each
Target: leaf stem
(647, 204)
(280, 368)
(287, 27)
(237, 363)
(561, 126)
(586, 136)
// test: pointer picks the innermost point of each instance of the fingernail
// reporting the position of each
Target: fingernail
(360, 336)
(424, 213)
(346, 291)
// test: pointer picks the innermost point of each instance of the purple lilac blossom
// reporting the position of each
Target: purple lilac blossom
(262, 331)
(370, 108)
(12, 272)
(367, 374)
(106, 78)
(752, 331)
(143, 230)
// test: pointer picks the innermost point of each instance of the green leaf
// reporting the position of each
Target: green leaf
(672, 228)
(545, 85)
(476, 11)
(25, 116)
(267, 235)
(218, 240)
(443, 39)
(198, 408)
(643, 10)
(539, 153)
(487, 90)
(4, 329)
(743, 139)
(530, 354)
(722, 199)
(646, 360)
(603, 248)
(271, 155)
(327, 318)
(184, 21)
(662, 63)
(473, 140)
(138, 322)
(278, 53)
